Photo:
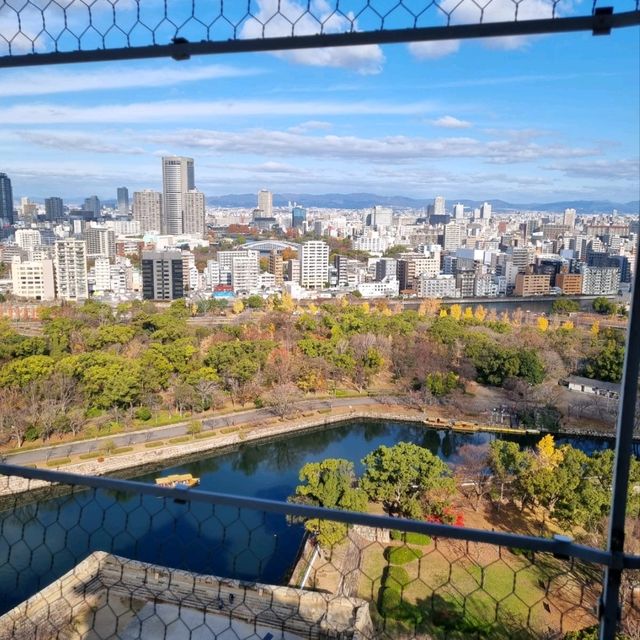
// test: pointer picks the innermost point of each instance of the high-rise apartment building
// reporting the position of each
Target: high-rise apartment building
(53, 209)
(276, 266)
(70, 262)
(458, 213)
(439, 206)
(100, 242)
(485, 211)
(28, 239)
(147, 210)
(453, 236)
(6, 200)
(314, 264)
(600, 281)
(177, 179)
(33, 280)
(162, 275)
(245, 273)
(193, 218)
(265, 203)
(123, 201)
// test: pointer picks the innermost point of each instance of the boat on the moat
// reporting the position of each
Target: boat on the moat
(178, 481)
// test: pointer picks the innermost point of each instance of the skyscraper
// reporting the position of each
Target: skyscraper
(70, 262)
(458, 211)
(93, 204)
(54, 209)
(177, 179)
(485, 211)
(6, 200)
(298, 217)
(569, 218)
(265, 203)
(123, 201)
(147, 209)
(439, 206)
(193, 218)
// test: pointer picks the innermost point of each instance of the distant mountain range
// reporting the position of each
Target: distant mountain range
(365, 200)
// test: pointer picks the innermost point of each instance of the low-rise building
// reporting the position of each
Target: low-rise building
(531, 284)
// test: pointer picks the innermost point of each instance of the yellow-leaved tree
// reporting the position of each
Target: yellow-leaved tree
(237, 307)
(549, 456)
(456, 311)
(543, 323)
(480, 313)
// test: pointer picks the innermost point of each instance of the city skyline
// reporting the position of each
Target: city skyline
(461, 120)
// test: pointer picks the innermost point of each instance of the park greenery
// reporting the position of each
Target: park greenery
(97, 369)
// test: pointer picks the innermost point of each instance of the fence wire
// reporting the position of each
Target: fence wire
(76, 30)
(127, 560)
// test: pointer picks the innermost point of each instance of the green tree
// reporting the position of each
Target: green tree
(442, 384)
(329, 484)
(607, 363)
(531, 367)
(254, 302)
(604, 306)
(402, 476)
(564, 305)
(19, 373)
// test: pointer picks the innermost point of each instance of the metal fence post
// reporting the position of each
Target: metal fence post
(610, 607)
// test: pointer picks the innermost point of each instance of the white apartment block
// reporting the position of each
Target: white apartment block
(70, 262)
(225, 262)
(147, 210)
(439, 286)
(102, 274)
(100, 242)
(372, 243)
(28, 239)
(600, 281)
(33, 280)
(212, 274)
(314, 264)
(194, 212)
(384, 289)
(453, 236)
(245, 274)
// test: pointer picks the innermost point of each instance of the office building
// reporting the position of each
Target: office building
(440, 286)
(439, 206)
(569, 283)
(33, 280)
(265, 203)
(162, 275)
(28, 239)
(123, 201)
(147, 210)
(382, 217)
(93, 204)
(529, 284)
(298, 217)
(314, 264)
(70, 265)
(6, 200)
(194, 213)
(485, 211)
(53, 209)
(177, 179)
(458, 212)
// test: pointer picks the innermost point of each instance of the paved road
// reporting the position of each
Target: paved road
(172, 431)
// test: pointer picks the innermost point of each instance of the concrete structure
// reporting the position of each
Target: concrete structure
(298, 217)
(569, 218)
(314, 264)
(70, 262)
(93, 204)
(292, 271)
(245, 273)
(458, 211)
(593, 387)
(388, 288)
(162, 275)
(453, 236)
(529, 284)
(439, 206)
(28, 239)
(276, 267)
(177, 179)
(485, 211)
(102, 274)
(440, 286)
(33, 280)
(194, 213)
(100, 242)
(225, 261)
(147, 210)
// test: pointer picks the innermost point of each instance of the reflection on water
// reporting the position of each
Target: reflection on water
(41, 541)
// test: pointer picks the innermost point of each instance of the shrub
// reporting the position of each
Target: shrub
(179, 440)
(89, 455)
(411, 538)
(402, 555)
(122, 450)
(153, 445)
(229, 430)
(396, 578)
(143, 413)
(390, 600)
(108, 446)
(58, 462)
(208, 434)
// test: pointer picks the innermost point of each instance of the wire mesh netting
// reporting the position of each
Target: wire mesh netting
(81, 562)
(45, 26)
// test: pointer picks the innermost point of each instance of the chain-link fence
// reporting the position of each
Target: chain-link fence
(76, 30)
(106, 558)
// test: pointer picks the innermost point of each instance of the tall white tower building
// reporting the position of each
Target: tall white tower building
(193, 221)
(485, 211)
(458, 211)
(439, 206)
(177, 180)
(314, 264)
(569, 218)
(265, 202)
(70, 262)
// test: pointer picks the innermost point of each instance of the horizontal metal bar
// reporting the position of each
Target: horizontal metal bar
(601, 23)
(561, 547)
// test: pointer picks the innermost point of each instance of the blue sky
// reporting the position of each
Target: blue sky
(539, 119)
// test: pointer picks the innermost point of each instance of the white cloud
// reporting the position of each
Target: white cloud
(311, 125)
(449, 122)
(618, 169)
(179, 111)
(282, 18)
(101, 78)
(434, 49)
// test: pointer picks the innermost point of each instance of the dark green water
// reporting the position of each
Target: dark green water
(41, 541)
